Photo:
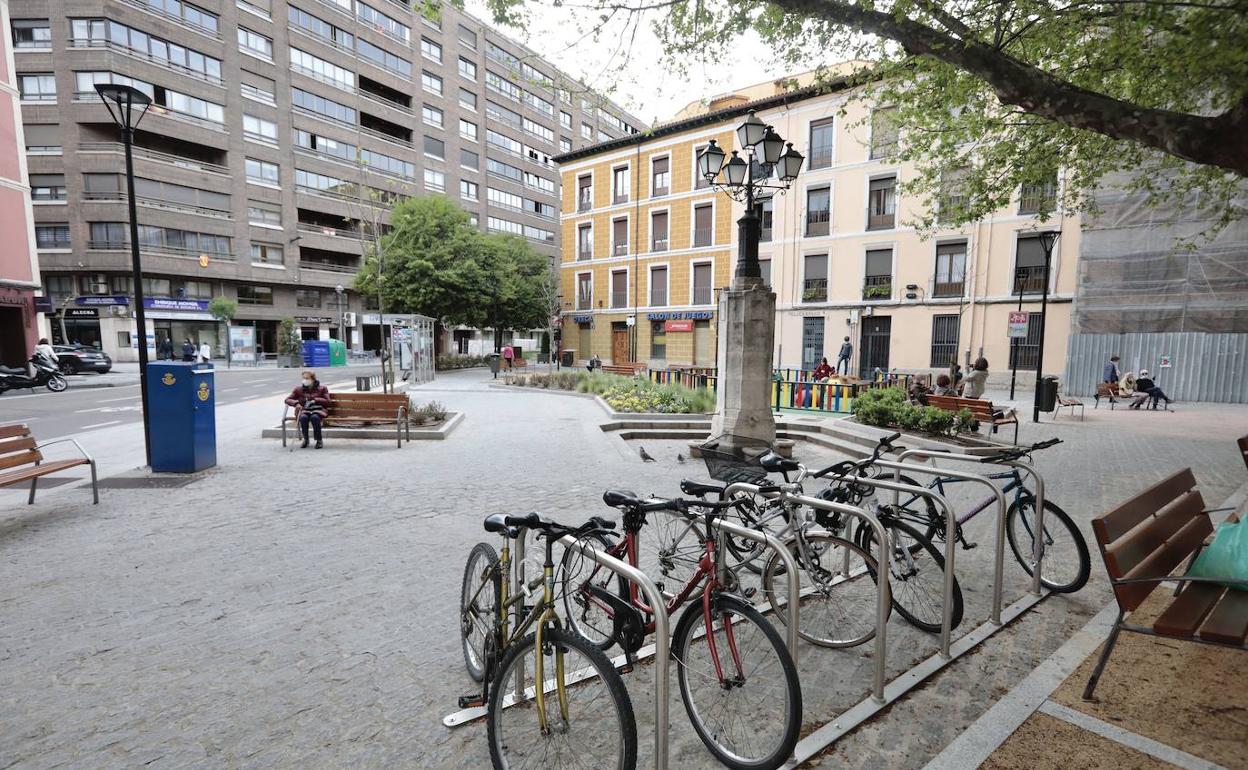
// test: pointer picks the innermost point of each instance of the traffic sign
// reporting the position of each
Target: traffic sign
(1165, 362)
(1018, 324)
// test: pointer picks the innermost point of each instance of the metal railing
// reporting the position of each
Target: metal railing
(658, 244)
(333, 232)
(880, 221)
(817, 222)
(158, 203)
(703, 295)
(155, 155)
(328, 267)
(948, 288)
(658, 299)
(815, 290)
(81, 42)
(176, 251)
(1029, 279)
(877, 287)
(620, 249)
(703, 236)
(385, 102)
(382, 135)
(619, 299)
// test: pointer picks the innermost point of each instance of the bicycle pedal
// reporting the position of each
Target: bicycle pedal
(471, 701)
(748, 593)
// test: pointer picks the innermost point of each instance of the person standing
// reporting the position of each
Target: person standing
(188, 350)
(205, 352)
(164, 351)
(509, 355)
(974, 383)
(847, 352)
(311, 402)
(1111, 374)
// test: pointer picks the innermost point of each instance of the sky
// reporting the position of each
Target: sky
(641, 85)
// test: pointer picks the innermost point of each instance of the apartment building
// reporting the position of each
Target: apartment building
(279, 135)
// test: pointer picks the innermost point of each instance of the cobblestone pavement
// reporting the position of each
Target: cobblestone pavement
(299, 609)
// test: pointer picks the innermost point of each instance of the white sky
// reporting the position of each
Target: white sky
(641, 85)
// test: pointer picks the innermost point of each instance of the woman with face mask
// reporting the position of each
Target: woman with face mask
(311, 402)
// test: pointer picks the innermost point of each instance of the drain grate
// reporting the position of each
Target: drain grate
(147, 482)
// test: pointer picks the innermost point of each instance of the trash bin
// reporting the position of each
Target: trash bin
(316, 353)
(569, 357)
(181, 401)
(337, 353)
(1046, 396)
(495, 362)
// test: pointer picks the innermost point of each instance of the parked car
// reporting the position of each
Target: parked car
(75, 359)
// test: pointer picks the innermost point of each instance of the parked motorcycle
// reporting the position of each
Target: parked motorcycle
(46, 374)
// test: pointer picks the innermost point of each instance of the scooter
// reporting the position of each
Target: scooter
(46, 374)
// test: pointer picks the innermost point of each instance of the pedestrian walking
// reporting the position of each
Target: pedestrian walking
(509, 355)
(847, 352)
(164, 351)
(1112, 373)
(188, 350)
(311, 402)
(205, 352)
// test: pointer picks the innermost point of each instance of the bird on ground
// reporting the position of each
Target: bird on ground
(679, 457)
(644, 456)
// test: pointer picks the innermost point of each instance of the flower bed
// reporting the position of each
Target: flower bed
(625, 394)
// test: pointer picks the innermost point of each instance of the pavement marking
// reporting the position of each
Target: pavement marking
(253, 382)
(100, 425)
(123, 398)
(228, 390)
(1127, 738)
(20, 422)
(92, 409)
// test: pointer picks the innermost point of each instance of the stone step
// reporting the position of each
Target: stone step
(629, 434)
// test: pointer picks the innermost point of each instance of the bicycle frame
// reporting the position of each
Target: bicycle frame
(1016, 486)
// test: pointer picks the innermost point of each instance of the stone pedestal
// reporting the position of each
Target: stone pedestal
(747, 314)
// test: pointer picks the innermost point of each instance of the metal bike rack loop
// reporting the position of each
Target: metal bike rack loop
(883, 599)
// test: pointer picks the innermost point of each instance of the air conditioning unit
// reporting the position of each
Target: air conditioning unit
(99, 284)
(348, 319)
(120, 311)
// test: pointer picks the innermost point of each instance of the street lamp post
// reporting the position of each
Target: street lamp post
(342, 330)
(127, 106)
(1047, 239)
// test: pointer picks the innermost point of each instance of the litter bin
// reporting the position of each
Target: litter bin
(337, 353)
(316, 354)
(569, 357)
(1046, 396)
(182, 404)
(493, 358)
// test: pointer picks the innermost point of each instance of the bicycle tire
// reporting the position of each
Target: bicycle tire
(598, 630)
(503, 750)
(686, 634)
(476, 657)
(907, 601)
(748, 553)
(1023, 552)
(816, 607)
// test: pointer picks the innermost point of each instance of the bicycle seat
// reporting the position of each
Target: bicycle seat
(620, 498)
(497, 522)
(698, 489)
(774, 463)
(529, 520)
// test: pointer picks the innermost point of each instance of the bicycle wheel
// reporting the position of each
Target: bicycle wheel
(762, 515)
(478, 603)
(580, 577)
(916, 580)
(598, 729)
(749, 718)
(838, 595)
(1066, 564)
(669, 549)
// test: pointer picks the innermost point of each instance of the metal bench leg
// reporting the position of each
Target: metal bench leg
(95, 489)
(1100, 663)
(283, 431)
(34, 483)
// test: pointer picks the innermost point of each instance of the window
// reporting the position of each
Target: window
(468, 129)
(703, 293)
(619, 288)
(503, 142)
(469, 159)
(764, 211)
(321, 106)
(156, 287)
(619, 184)
(584, 291)
(467, 37)
(699, 181)
(505, 170)
(52, 236)
(196, 289)
(585, 242)
(882, 203)
(584, 193)
(105, 235)
(944, 340)
(764, 270)
(431, 82)
(658, 231)
(98, 32)
(587, 131)
(658, 338)
(878, 283)
(255, 43)
(815, 278)
(565, 120)
(261, 172)
(435, 147)
(43, 138)
(951, 197)
(259, 129)
(703, 230)
(884, 132)
(196, 17)
(59, 285)
(1028, 265)
(256, 8)
(430, 50)
(539, 234)
(384, 59)
(822, 136)
(658, 286)
(1025, 351)
(468, 190)
(619, 236)
(1038, 196)
(538, 130)
(507, 200)
(264, 216)
(502, 114)
(502, 85)
(467, 69)
(319, 69)
(259, 88)
(818, 211)
(255, 295)
(431, 115)
(467, 99)
(37, 88)
(383, 23)
(950, 269)
(547, 210)
(266, 254)
(435, 180)
(565, 144)
(660, 176)
(48, 187)
(307, 298)
(32, 33)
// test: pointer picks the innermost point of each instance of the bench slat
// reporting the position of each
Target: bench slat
(16, 444)
(29, 457)
(1163, 561)
(1131, 549)
(1183, 617)
(35, 471)
(1228, 623)
(9, 431)
(1125, 517)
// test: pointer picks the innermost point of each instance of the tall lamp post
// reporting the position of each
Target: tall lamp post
(1047, 239)
(747, 308)
(342, 329)
(127, 106)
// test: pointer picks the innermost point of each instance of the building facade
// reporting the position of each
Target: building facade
(280, 134)
(19, 268)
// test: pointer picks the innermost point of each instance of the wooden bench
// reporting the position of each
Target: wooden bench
(363, 409)
(1143, 541)
(981, 410)
(1068, 401)
(628, 370)
(18, 448)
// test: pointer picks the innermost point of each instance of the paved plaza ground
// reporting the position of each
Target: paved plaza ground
(299, 609)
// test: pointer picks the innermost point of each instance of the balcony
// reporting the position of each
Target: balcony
(817, 221)
(620, 198)
(1036, 198)
(658, 244)
(326, 266)
(585, 202)
(820, 157)
(584, 302)
(620, 249)
(702, 236)
(660, 189)
(619, 299)
(146, 248)
(658, 298)
(1029, 280)
(153, 155)
(877, 287)
(141, 56)
(332, 232)
(885, 147)
(948, 289)
(703, 295)
(815, 290)
(158, 203)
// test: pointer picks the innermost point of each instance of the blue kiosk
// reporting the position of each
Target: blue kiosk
(182, 401)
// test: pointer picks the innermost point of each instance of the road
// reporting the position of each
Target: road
(80, 409)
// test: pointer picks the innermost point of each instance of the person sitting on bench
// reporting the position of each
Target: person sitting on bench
(311, 402)
(1145, 389)
(944, 386)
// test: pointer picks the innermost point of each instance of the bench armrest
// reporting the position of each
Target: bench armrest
(64, 441)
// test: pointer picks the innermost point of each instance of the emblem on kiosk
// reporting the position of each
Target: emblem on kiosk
(203, 391)
(168, 379)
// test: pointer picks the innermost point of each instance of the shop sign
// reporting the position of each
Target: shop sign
(583, 319)
(1018, 324)
(313, 319)
(370, 318)
(93, 301)
(82, 312)
(678, 326)
(169, 303)
(700, 315)
(44, 305)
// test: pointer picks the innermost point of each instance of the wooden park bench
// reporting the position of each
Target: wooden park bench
(20, 451)
(363, 409)
(1063, 401)
(628, 370)
(1142, 542)
(981, 410)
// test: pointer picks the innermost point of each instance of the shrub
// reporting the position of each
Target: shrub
(626, 394)
(430, 412)
(965, 422)
(446, 362)
(890, 407)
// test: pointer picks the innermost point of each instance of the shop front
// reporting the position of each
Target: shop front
(179, 319)
(316, 327)
(18, 326)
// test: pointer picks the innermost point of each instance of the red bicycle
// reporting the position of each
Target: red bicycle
(737, 680)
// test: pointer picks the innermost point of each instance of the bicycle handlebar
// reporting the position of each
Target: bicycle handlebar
(1020, 452)
(554, 529)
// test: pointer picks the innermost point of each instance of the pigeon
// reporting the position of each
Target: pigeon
(680, 458)
(645, 457)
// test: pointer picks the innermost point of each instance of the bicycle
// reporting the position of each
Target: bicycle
(737, 679)
(601, 731)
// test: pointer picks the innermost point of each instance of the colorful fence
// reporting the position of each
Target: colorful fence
(790, 389)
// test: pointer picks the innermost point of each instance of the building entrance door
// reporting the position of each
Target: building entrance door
(874, 345)
(812, 342)
(703, 348)
(619, 343)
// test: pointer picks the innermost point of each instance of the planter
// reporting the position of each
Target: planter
(287, 361)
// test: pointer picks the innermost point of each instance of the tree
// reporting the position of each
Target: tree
(224, 309)
(1009, 93)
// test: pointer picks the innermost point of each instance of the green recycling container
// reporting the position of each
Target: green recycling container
(337, 353)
